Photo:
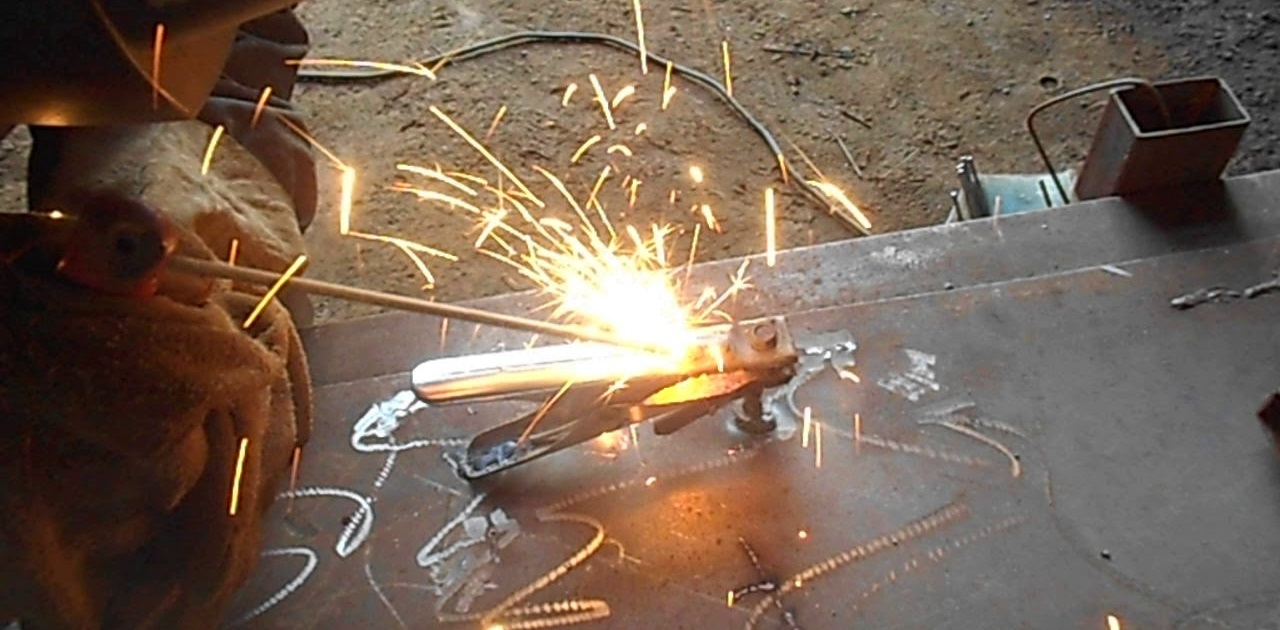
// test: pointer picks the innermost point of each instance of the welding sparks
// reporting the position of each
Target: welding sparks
(583, 148)
(728, 71)
(542, 412)
(210, 148)
(709, 217)
(728, 600)
(440, 176)
(234, 251)
(497, 119)
(347, 195)
(668, 90)
(770, 229)
(808, 427)
(619, 148)
(802, 535)
(625, 93)
(261, 105)
(157, 53)
(235, 482)
(857, 432)
(568, 94)
(275, 288)
(696, 174)
(1113, 623)
(644, 51)
(850, 209)
(817, 445)
(650, 481)
(641, 128)
(414, 68)
(632, 194)
(604, 102)
(480, 148)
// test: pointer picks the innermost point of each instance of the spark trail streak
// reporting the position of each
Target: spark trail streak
(604, 102)
(275, 288)
(210, 148)
(644, 50)
(770, 229)
(239, 474)
(480, 148)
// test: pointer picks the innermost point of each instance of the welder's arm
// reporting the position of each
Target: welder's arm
(127, 395)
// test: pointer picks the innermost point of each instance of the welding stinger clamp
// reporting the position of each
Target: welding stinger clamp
(588, 389)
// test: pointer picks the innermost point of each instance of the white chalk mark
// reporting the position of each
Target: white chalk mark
(427, 555)
(384, 418)
(289, 587)
(917, 380)
(1015, 467)
(359, 524)
(377, 590)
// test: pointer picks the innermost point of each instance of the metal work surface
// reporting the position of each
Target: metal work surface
(1045, 442)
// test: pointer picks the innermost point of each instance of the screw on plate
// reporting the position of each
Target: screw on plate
(764, 336)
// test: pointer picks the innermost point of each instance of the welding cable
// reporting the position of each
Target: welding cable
(521, 38)
(1130, 82)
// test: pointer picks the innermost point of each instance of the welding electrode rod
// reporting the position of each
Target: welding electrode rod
(217, 269)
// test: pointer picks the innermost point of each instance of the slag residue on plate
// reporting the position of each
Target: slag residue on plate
(818, 352)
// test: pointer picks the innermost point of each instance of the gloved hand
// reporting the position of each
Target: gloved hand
(124, 413)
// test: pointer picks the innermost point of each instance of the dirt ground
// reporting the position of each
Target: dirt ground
(908, 85)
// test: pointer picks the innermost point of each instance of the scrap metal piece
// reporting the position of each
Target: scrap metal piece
(591, 389)
(1182, 132)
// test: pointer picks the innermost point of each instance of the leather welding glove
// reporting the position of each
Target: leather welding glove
(125, 414)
